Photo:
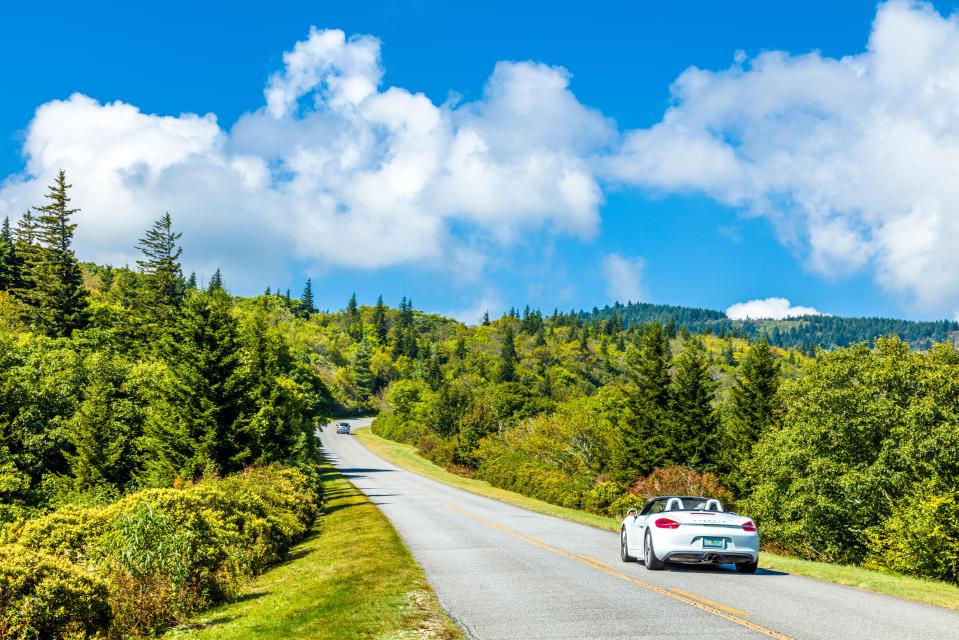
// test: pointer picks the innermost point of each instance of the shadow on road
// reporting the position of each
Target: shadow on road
(711, 568)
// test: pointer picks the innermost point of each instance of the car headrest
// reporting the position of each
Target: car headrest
(674, 504)
(713, 505)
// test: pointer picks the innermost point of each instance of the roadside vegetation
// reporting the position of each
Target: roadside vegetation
(917, 589)
(352, 579)
(119, 380)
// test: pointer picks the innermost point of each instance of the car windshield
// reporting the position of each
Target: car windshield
(680, 503)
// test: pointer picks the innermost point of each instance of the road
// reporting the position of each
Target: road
(504, 572)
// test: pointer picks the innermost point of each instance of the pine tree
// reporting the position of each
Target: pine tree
(646, 426)
(191, 281)
(160, 265)
(461, 349)
(209, 397)
(107, 278)
(59, 294)
(362, 370)
(7, 257)
(754, 408)
(695, 436)
(216, 282)
(25, 269)
(380, 328)
(485, 321)
(352, 309)
(105, 427)
(354, 323)
(507, 356)
(307, 298)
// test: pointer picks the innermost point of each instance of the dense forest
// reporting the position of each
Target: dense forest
(139, 410)
(156, 440)
(806, 333)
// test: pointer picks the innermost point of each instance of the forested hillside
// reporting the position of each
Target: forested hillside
(119, 382)
(156, 440)
(806, 333)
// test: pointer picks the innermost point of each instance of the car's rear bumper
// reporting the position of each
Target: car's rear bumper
(710, 557)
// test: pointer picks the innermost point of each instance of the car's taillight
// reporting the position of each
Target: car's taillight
(666, 523)
(749, 526)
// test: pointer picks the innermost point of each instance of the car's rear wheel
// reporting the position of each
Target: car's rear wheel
(623, 549)
(649, 555)
(747, 567)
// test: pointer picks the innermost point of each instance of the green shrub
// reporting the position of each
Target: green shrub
(42, 596)
(601, 496)
(163, 554)
(72, 533)
(921, 538)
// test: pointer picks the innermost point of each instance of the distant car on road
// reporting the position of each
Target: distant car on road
(343, 427)
(691, 530)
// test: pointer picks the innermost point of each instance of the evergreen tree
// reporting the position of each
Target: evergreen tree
(307, 298)
(107, 278)
(646, 428)
(354, 323)
(461, 349)
(485, 321)
(105, 427)
(754, 408)
(216, 282)
(7, 256)
(164, 286)
(352, 309)
(191, 281)
(380, 327)
(507, 356)
(208, 397)
(59, 294)
(362, 370)
(26, 267)
(695, 421)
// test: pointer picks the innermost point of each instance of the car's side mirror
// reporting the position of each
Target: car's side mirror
(632, 512)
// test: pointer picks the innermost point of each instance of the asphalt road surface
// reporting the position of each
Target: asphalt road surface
(504, 572)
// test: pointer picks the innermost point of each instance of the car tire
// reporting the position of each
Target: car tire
(747, 567)
(623, 555)
(649, 555)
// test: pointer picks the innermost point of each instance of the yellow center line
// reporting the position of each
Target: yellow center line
(712, 603)
(695, 601)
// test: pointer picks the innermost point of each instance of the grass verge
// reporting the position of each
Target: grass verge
(353, 579)
(925, 591)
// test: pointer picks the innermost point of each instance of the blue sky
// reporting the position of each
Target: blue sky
(678, 235)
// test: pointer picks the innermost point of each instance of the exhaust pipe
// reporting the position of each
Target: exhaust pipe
(709, 557)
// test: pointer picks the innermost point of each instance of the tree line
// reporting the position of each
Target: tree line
(113, 379)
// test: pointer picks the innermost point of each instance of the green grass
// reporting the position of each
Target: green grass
(925, 591)
(353, 579)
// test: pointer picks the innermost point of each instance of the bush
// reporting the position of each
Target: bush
(166, 553)
(601, 497)
(679, 480)
(72, 533)
(921, 538)
(42, 596)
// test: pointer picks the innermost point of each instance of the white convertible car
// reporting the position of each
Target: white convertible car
(688, 529)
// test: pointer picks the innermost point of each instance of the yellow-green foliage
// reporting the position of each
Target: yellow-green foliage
(158, 554)
(42, 596)
(921, 537)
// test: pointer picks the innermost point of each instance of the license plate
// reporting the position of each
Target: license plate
(714, 543)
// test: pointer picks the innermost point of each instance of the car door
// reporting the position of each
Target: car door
(637, 531)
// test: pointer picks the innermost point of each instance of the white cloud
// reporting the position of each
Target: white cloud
(488, 302)
(854, 159)
(333, 168)
(624, 278)
(771, 308)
